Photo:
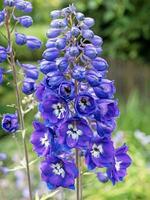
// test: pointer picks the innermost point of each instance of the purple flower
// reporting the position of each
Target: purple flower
(47, 66)
(3, 156)
(89, 22)
(33, 42)
(25, 21)
(58, 172)
(1, 75)
(85, 104)
(30, 71)
(53, 80)
(106, 89)
(29, 86)
(106, 109)
(106, 127)
(102, 177)
(87, 34)
(79, 16)
(50, 54)
(74, 51)
(75, 133)
(20, 5)
(93, 78)
(55, 14)
(60, 43)
(67, 90)
(52, 33)
(58, 23)
(121, 162)
(100, 64)
(41, 139)
(10, 3)
(79, 73)
(3, 54)
(90, 51)
(53, 109)
(2, 16)
(10, 123)
(21, 39)
(62, 64)
(40, 92)
(100, 153)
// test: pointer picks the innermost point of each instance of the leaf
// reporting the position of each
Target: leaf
(37, 196)
(50, 195)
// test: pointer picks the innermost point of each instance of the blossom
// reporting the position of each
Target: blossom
(53, 109)
(10, 123)
(74, 132)
(3, 54)
(121, 162)
(25, 21)
(20, 38)
(33, 42)
(29, 86)
(67, 90)
(10, 3)
(1, 75)
(100, 153)
(58, 172)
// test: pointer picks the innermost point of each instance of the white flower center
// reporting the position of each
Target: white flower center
(74, 132)
(83, 103)
(58, 110)
(96, 150)
(117, 164)
(44, 140)
(58, 170)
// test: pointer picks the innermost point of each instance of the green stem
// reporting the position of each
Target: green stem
(18, 100)
(79, 179)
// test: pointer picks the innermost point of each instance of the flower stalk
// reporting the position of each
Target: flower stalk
(79, 178)
(18, 98)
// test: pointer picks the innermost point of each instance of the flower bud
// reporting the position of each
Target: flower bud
(20, 5)
(29, 86)
(100, 64)
(106, 89)
(47, 66)
(88, 21)
(79, 16)
(51, 43)
(61, 43)
(9, 3)
(1, 75)
(30, 71)
(3, 156)
(3, 54)
(87, 34)
(25, 21)
(52, 33)
(105, 128)
(59, 23)
(53, 80)
(93, 78)
(55, 14)
(21, 39)
(102, 177)
(62, 64)
(74, 51)
(79, 73)
(75, 31)
(97, 41)
(33, 42)
(28, 7)
(50, 54)
(2, 16)
(10, 123)
(90, 51)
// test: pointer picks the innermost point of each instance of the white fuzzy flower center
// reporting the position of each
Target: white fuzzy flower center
(117, 164)
(74, 132)
(96, 150)
(58, 110)
(44, 140)
(58, 170)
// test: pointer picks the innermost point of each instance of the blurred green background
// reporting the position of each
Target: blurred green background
(125, 28)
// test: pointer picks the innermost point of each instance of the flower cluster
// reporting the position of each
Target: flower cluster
(76, 104)
(7, 15)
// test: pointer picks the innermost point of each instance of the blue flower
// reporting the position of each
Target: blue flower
(3, 54)
(25, 21)
(2, 16)
(21, 39)
(33, 42)
(53, 80)
(67, 90)
(10, 123)
(75, 133)
(121, 162)
(29, 86)
(30, 71)
(58, 172)
(47, 66)
(1, 75)
(10, 3)
(53, 109)
(85, 104)
(100, 64)
(100, 153)
(50, 54)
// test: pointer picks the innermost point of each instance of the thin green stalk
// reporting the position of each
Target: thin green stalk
(18, 99)
(79, 179)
